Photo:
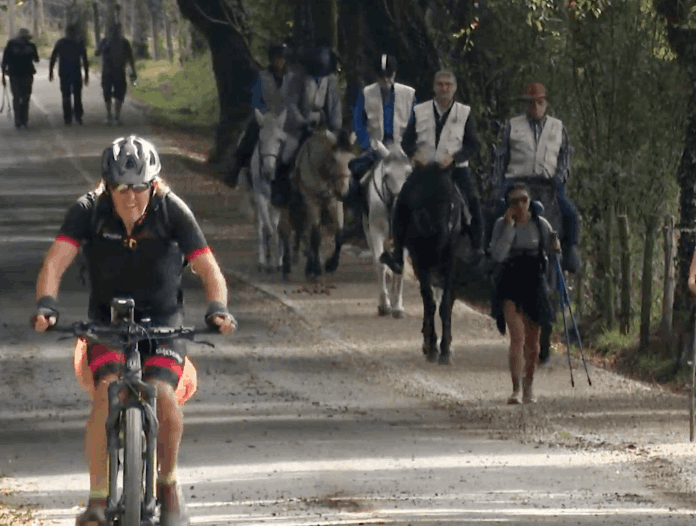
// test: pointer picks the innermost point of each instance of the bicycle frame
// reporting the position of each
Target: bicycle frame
(140, 395)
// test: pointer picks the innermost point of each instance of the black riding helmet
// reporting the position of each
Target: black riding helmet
(386, 65)
(319, 61)
(277, 51)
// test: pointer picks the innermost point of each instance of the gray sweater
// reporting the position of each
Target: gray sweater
(515, 240)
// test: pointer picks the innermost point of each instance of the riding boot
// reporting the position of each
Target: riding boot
(243, 153)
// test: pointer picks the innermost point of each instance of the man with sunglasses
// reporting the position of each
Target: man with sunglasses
(137, 236)
(533, 146)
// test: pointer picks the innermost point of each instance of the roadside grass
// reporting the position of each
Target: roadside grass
(181, 94)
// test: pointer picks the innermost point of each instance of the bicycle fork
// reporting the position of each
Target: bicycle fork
(148, 408)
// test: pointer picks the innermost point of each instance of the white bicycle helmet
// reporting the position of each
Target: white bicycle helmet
(130, 160)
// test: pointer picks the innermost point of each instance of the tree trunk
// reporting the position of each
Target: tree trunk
(11, 19)
(646, 295)
(168, 33)
(140, 45)
(154, 23)
(97, 28)
(608, 253)
(625, 275)
(42, 16)
(35, 18)
(133, 8)
(233, 65)
(669, 284)
(315, 23)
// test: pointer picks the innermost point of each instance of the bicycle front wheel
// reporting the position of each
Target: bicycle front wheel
(132, 467)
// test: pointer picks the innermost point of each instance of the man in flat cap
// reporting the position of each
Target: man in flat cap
(535, 147)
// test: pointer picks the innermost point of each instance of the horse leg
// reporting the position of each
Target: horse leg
(313, 266)
(275, 242)
(397, 299)
(429, 308)
(332, 262)
(376, 241)
(337, 210)
(446, 305)
(284, 231)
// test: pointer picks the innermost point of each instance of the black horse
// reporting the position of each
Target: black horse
(427, 221)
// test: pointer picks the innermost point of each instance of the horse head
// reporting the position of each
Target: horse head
(341, 155)
(396, 168)
(272, 139)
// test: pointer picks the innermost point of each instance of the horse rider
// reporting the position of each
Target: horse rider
(381, 115)
(445, 126)
(274, 89)
(320, 103)
(18, 62)
(536, 145)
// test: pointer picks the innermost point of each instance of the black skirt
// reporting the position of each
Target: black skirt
(522, 280)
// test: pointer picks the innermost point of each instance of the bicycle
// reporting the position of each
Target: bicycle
(131, 424)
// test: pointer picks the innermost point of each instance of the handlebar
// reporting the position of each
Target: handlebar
(130, 333)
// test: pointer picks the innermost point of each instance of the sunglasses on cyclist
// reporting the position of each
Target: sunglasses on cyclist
(123, 188)
(514, 201)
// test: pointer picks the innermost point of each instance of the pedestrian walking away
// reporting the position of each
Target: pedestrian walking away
(71, 55)
(136, 237)
(18, 63)
(117, 53)
(519, 245)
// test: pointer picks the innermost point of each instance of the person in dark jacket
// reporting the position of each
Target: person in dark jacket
(18, 62)
(70, 53)
(117, 54)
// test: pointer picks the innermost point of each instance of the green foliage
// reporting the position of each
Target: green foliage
(270, 21)
(612, 342)
(185, 93)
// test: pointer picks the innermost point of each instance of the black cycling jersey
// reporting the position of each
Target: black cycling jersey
(69, 52)
(147, 265)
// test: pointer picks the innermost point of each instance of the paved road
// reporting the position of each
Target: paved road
(316, 412)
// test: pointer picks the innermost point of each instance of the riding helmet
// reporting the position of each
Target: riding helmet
(386, 65)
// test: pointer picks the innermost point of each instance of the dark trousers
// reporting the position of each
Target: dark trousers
(71, 90)
(245, 148)
(21, 94)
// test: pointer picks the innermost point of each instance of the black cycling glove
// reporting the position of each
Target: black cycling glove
(215, 308)
(47, 306)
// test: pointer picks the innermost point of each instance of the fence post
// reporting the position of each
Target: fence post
(625, 318)
(670, 281)
(646, 294)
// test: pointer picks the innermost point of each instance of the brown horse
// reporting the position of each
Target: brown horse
(320, 179)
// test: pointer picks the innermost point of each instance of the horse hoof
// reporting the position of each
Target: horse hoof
(398, 313)
(432, 355)
(445, 359)
(384, 310)
(331, 266)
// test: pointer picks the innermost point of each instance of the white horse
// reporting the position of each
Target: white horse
(274, 147)
(384, 184)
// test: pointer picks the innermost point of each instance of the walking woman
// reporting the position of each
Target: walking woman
(519, 244)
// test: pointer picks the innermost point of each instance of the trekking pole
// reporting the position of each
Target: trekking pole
(567, 336)
(2, 107)
(566, 299)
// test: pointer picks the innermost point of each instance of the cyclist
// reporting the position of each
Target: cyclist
(136, 236)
